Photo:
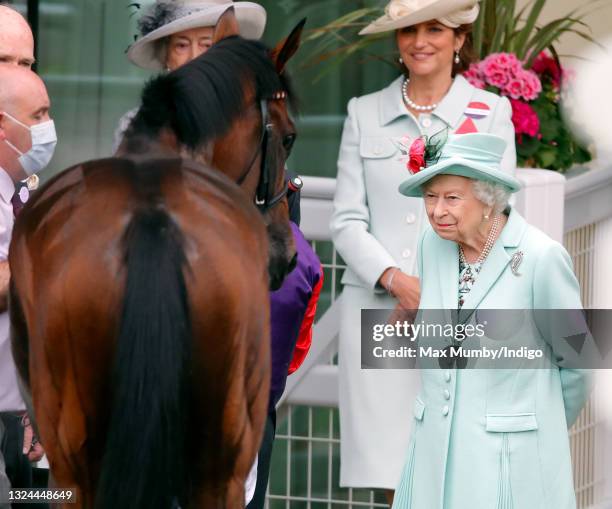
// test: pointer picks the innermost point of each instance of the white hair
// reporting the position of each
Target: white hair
(493, 195)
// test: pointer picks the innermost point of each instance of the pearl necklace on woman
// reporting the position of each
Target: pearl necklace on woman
(488, 244)
(411, 103)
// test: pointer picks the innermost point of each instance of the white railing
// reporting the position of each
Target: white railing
(576, 211)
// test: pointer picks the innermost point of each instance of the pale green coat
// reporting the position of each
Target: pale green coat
(496, 438)
(374, 227)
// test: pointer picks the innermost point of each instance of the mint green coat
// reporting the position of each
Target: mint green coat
(496, 438)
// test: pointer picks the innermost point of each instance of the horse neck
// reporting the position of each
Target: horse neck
(138, 144)
(234, 156)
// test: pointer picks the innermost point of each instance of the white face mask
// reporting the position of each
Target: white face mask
(44, 140)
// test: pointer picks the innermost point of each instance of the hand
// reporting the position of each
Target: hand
(406, 289)
(399, 314)
(31, 445)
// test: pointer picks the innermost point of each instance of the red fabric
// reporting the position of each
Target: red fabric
(467, 127)
(304, 340)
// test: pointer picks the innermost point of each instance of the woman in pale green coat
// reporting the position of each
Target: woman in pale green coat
(491, 438)
(376, 230)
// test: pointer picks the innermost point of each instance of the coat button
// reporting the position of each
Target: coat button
(445, 410)
(411, 218)
(446, 394)
(406, 253)
(377, 150)
(447, 376)
(426, 121)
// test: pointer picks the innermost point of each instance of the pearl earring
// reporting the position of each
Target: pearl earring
(457, 58)
(400, 60)
(486, 217)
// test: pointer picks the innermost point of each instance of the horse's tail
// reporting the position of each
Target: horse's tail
(144, 462)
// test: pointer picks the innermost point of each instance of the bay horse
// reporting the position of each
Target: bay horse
(139, 289)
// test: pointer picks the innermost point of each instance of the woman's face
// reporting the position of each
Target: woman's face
(186, 45)
(453, 210)
(428, 48)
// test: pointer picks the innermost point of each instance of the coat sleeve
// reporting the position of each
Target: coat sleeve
(502, 125)
(350, 222)
(304, 340)
(556, 288)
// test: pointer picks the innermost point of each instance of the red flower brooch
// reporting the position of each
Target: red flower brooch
(425, 151)
(416, 162)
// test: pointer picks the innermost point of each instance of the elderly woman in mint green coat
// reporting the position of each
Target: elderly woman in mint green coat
(376, 230)
(491, 438)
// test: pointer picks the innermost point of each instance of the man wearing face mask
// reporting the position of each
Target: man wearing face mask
(27, 143)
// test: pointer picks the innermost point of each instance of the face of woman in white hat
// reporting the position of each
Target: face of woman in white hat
(428, 49)
(173, 32)
(186, 45)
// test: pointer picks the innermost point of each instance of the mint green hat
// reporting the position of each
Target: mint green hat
(476, 155)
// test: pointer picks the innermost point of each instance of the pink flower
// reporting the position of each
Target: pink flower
(499, 68)
(524, 118)
(514, 88)
(478, 83)
(474, 76)
(532, 86)
(506, 61)
(417, 156)
(490, 68)
(499, 79)
(546, 65)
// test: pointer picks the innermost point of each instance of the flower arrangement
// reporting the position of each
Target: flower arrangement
(542, 138)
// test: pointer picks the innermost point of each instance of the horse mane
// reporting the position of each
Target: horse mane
(201, 99)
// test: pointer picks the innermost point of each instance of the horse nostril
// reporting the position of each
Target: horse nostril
(292, 263)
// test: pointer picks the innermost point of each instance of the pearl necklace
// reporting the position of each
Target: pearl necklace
(488, 244)
(411, 103)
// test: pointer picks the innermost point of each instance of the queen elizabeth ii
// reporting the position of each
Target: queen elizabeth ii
(490, 438)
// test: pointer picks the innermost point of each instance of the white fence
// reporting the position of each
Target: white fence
(577, 211)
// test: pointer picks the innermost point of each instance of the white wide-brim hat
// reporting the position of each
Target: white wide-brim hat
(188, 14)
(405, 13)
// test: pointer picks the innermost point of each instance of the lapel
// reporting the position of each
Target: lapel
(447, 267)
(391, 103)
(453, 106)
(495, 264)
(448, 272)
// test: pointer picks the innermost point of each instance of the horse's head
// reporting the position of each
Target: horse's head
(264, 174)
(229, 108)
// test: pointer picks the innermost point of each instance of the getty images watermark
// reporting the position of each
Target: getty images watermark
(485, 339)
(456, 334)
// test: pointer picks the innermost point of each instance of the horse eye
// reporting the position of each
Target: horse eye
(288, 142)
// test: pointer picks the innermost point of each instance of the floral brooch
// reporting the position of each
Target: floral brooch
(425, 151)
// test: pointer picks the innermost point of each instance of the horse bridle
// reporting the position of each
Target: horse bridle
(263, 201)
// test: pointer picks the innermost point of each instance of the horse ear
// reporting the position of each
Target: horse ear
(227, 26)
(286, 48)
